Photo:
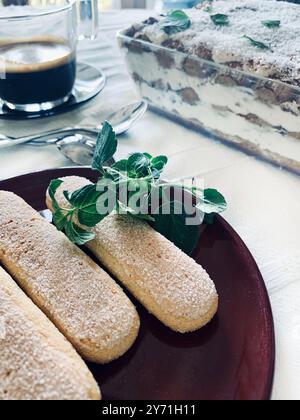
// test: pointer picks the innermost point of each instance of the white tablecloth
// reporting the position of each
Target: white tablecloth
(264, 200)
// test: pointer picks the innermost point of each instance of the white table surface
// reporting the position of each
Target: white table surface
(264, 200)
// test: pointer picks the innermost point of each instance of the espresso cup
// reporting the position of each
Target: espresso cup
(38, 50)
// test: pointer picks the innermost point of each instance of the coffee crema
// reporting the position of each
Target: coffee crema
(35, 71)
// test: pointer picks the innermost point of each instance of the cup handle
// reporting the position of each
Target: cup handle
(88, 19)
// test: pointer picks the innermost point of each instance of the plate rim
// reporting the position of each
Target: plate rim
(268, 388)
(270, 327)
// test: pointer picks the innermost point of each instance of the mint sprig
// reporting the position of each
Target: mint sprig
(258, 44)
(139, 177)
(175, 21)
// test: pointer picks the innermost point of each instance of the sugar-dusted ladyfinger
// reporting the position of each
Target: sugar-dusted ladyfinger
(170, 284)
(36, 361)
(80, 298)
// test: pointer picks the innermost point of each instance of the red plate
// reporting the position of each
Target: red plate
(230, 359)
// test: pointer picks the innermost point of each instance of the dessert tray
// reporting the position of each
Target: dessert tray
(230, 68)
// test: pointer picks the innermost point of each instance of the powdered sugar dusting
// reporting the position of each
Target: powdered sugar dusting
(227, 43)
(36, 362)
(174, 281)
(81, 299)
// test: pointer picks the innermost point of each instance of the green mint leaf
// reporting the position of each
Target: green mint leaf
(220, 19)
(117, 171)
(212, 202)
(67, 196)
(138, 165)
(271, 23)
(121, 165)
(85, 201)
(173, 226)
(258, 44)
(83, 196)
(148, 155)
(159, 163)
(53, 187)
(60, 219)
(77, 235)
(106, 146)
(175, 21)
(90, 217)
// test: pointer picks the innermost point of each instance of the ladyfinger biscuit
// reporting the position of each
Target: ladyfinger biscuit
(83, 301)
(36, 361)
(170, 284)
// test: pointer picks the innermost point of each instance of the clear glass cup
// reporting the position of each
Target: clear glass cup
(38, 40)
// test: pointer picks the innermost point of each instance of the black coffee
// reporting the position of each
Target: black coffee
(36, 71)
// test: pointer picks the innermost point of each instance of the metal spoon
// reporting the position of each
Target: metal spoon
(78, 149)
(121, 120)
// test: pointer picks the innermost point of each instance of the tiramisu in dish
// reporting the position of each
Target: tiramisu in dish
(232, 67)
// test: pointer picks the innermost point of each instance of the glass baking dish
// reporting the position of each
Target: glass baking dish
(260, 115)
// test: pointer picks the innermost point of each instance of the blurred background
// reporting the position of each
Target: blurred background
(135, 4)
(151, 4)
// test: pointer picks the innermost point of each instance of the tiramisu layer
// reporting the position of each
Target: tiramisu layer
(221, 78)
(257, 36)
